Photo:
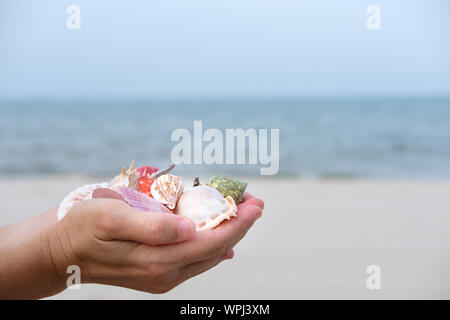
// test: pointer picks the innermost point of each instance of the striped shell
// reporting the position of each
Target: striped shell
(141, 201)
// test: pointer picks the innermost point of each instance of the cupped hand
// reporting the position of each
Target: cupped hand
(113, 243)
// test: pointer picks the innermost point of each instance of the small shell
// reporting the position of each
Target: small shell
(141, 201)
(80, 194)
(167, 189)
(206, 207)
(228, 187)
(127, 178)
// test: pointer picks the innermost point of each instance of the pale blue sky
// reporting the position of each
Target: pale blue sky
(219, 48)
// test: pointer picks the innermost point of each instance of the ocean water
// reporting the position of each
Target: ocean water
(319, 138)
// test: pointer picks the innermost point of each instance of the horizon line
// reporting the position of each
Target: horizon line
(228, 98)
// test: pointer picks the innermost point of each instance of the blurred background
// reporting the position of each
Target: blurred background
(364, 119)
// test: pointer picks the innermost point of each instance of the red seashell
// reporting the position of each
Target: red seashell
(146, 170)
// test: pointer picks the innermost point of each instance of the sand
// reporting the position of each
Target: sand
(315, 240)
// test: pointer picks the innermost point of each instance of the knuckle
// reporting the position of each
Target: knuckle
(185, 273)
(156, 225)
(160, 279)
(157, 228)
(173, 282)
(102, 206)
(158, 271)
(103, 216)
(106, 223)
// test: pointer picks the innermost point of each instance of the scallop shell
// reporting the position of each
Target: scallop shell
(206, 207)
(107, 193)
(167, 189)
(127, 178)
(80, 194)
(141, 201)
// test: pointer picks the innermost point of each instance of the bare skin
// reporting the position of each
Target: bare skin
(114, 244)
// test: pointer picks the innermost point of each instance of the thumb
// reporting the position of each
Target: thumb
(151, 228)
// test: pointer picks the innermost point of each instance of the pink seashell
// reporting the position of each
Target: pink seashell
(146, 170)
(141, 201)
(106, 193)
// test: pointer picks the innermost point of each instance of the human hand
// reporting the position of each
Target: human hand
(115, 244)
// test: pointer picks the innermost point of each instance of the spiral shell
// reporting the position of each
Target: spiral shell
(127, 178)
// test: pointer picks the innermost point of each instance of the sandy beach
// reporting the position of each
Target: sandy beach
(315, 240)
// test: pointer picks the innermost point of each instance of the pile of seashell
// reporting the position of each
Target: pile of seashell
(152, 190)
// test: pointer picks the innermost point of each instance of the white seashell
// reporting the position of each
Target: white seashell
(127, 178)
(167, 190)
(206, 207)
(80, 194)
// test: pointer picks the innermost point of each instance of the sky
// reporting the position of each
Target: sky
(223, 48)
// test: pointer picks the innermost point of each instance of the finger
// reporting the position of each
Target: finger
(249, 199)
(214, 243)
(197, 268)
(157, 228)
(229, 255)
(151, 228)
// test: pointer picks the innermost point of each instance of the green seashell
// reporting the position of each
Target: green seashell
(228, 187)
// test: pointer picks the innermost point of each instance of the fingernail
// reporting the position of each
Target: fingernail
(185, 229)
(229, 255)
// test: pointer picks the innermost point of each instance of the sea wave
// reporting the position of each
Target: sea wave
(318, 138)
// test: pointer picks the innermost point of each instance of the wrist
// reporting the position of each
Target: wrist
(27, 270)
(53, 260)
